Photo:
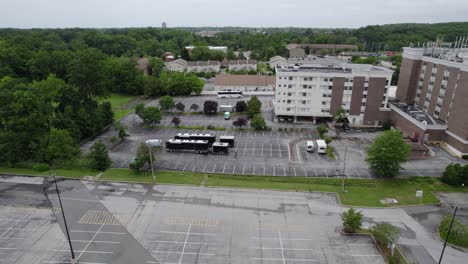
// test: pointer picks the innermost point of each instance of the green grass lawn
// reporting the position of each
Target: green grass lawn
(360, 192)
(117, 102)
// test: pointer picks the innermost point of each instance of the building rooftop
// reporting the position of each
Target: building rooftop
(244, 80)
(313, 69)
(203, 63)
(242, 62)
(322, 46)
(416, 113)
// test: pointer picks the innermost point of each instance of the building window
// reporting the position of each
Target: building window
(324, 103)
(364, 96)
(290, 78)
(289, 101)
(290, 86)
(304, 94)
(305, 78)
(363, 104)
(304, 86)
(311, 78)
(303, 101)
(365, 88)
(326, 79)
(331, 79)
(324, 95)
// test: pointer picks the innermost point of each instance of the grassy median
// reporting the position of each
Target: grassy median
(359, 192)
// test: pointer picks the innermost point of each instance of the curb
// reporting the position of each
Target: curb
(449, 244)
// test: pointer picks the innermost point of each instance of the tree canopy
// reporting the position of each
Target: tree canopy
(387, 152)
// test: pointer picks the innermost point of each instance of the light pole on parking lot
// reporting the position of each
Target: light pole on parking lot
(344, 170)
(73, 259)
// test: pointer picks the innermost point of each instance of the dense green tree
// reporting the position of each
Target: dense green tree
(86, 71)
(340, 115)
(61, 146)
(122, 76)
(258, 122)
(352, 220)
(157, 66)
(387, 152)
(151, 115)
(139, 108)
(167, 103)
(241, 106)
(210, 107)
(254, 106)
(121, 130)
(152, 87)
(98, 157)
(231, 55)
(142, 157)
(455, 174)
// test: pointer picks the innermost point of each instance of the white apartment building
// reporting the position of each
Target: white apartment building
(311, 92)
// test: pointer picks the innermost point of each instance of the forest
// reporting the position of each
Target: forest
(54, 82)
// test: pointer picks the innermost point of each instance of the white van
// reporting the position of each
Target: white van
(321, 146)
(310, 146)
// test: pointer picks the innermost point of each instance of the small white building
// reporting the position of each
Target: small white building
(178, 65)
(277, 61)
(242, 65)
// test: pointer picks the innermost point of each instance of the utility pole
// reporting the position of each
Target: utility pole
(73, 259)
(344, 170)
(151, 163)
(448, 234)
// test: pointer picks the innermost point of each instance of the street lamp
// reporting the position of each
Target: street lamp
(448, 234)
(73, 259)
(150, 144)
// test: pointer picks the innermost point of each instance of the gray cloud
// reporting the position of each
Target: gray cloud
(249, 13)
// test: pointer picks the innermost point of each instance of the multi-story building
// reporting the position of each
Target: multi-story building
(302, 50)
(309, 92)
(431, 99)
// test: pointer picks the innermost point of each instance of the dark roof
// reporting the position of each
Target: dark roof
(240, 62)
(322, 46)
(203, 63)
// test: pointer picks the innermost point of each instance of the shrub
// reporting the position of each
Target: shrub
(210, 107)
(465, 157)
(458, 234)
(352, 220)
(455, 174)
(328, 140)
(322, 130)
(258, 123)
(40, 166)
(210, 127)
(241, 106)
(385, 233)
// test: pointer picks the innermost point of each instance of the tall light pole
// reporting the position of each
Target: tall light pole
(344, 170)
(151, 164)
(448, 233)
(73, 259)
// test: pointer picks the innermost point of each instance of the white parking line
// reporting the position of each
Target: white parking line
(315, 172)
(185, 243)
(224, 167)
(177, 252)
(179, 242)
(366, 255)
(100, 232)
(243, 170)
(281, 246)
(294, 169)
(262, 150)
(288, 249)
(305, 172)
(233, 168)
(294, 260)
(97, 241)
(204, 167)
(68, 262)
(279, 147)
(214, 167)
(274, 170)
(7, 248)
(288, 239)
(192, 233)
(284, 171)
(298, 153)
(253, 149)
(89, 243)
(82, 251)
(264, 171)
(271, 150)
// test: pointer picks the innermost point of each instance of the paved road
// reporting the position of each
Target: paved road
(176, 224)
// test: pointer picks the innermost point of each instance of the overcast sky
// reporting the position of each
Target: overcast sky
(247, 13)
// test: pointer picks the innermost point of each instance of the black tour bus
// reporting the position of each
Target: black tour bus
(219, 148)
(198, 146)
(211, 138)
(227, 139)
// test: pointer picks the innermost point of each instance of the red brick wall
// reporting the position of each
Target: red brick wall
(337, 94)
(408, 80)
(375, 95)
(356, 95)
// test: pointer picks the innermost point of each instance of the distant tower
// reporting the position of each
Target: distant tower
(164, 25)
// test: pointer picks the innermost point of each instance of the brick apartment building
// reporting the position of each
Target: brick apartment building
(432, 95)
(315, 89)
